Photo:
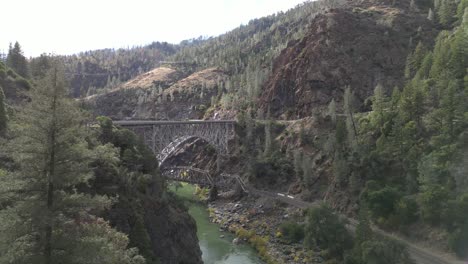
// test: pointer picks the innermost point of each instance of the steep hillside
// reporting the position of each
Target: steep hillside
(92, 71)
(161, 94)
(359, 46)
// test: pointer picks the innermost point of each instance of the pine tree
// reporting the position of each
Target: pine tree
(431, 15)
(461, 9)
(436, 5)
(39, 66)
(48, 220)
(3, 114)
(446, 12)
(363, 230)
(17, 61)
(307, 170)
(349, 108)
(414, 61)
(378, 105)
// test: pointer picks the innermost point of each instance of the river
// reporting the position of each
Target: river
(215, 250)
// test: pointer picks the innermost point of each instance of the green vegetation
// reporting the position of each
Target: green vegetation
(45, 218)
(258, 242)
(326, 230)
(12, 82)
(292, 231)
(17, 61)
(407, 153)
(132, 178)
(247, 52)
(3, 114)
(92, 71)
(370, 248)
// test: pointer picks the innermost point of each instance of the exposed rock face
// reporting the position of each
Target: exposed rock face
(170, 229)
(161, 94)
(360, 45)
(159, 227)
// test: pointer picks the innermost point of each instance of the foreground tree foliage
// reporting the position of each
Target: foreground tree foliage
(43, 216)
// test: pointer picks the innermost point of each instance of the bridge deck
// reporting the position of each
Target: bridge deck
(163, 122)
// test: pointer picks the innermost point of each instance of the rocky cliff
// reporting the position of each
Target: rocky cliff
(360, 45)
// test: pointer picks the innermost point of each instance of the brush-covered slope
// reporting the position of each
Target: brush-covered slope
(160, 94)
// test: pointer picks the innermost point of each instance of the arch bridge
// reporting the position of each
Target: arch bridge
(163, 137)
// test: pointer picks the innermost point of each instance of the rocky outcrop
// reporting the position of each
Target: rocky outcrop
(360, 45)
(161, 94)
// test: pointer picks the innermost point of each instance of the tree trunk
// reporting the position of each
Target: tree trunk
(50, 178)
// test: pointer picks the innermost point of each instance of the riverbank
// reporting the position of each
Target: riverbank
(215, 244)
(257, 221)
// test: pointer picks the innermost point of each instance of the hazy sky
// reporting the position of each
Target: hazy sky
(71, 26)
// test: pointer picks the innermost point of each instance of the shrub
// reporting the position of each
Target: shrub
(407, 211)
(433, 203)
(326, 230)
(381, 202)
(273, 168)
(244, 234)
(292, 231)
(385, 251)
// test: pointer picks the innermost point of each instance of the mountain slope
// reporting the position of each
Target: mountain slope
(161, 94)
(360, 46)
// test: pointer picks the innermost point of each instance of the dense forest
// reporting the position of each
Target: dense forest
(71, 193)
(404, 159)
(412, 146)
(398, 155)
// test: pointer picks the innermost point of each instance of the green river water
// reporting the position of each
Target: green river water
(215, 250)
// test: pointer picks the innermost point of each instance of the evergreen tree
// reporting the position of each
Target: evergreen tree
(446, 12)
(379, 105)
(350, 108)
(363, 230)
(431, 15)
(461, 9)
(307, 170)
(17, 61)
(47, 219)
(3, 114)
(40, 65)
(437, 5)
(415, 60)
